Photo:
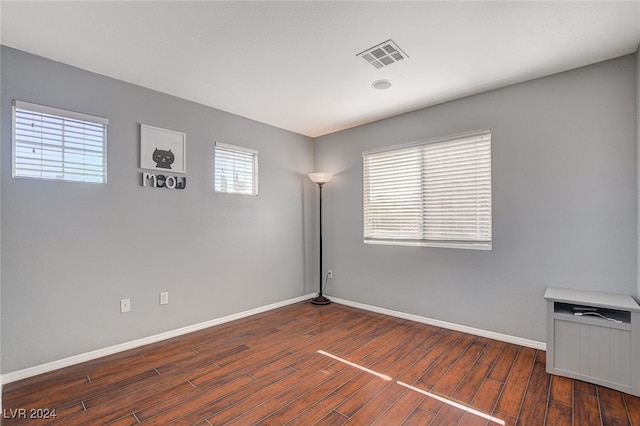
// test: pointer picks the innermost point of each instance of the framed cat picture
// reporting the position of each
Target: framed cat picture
(162, 150)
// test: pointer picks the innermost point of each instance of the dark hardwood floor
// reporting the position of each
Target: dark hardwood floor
(266, 369)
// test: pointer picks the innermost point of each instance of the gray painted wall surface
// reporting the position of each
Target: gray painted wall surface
(638, 146)
(564, 203)
(1, 110)
(71, 251)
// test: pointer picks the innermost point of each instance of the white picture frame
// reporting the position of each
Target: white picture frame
(162, 149)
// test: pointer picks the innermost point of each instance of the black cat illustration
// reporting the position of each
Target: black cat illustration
(163, 159)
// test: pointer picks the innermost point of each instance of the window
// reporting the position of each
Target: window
(51, 143)
(434, 194)
(236, 170)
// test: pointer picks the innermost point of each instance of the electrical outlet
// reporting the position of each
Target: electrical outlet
(125, 305)
(164, 298)
(330, 273)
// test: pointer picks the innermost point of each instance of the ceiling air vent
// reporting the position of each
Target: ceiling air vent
(383, 54)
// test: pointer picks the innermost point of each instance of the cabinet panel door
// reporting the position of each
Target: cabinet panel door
(593, 352)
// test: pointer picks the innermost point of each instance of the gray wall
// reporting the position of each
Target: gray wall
(1, 111)
(638, 146)
(71, 251)
(564, 203)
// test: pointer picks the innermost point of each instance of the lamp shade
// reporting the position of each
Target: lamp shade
(320, 177)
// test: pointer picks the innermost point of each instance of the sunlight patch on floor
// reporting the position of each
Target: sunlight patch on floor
(457, 405)
(454, 404)
(337, 358)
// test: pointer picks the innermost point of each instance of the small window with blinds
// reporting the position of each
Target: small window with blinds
(432, 194)
(236, 170)
(55, 144)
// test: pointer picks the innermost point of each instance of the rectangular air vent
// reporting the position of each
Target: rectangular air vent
(383, 54)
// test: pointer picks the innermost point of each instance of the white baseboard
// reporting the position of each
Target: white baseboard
(448, 325)
(77, 359)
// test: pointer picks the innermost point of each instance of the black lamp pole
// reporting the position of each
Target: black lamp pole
(320, 299)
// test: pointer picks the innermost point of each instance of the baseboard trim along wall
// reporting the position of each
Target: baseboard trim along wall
(77, 359)
(448, 325)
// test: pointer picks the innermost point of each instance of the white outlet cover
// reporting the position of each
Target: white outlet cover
(125, 305)
(164, 298)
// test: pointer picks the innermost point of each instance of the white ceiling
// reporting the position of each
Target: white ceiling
(293, 64)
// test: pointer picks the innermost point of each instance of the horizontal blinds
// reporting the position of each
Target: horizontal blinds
(236, 170)
(457, 190)
(436, 193)
(51, 143)
(392, 202)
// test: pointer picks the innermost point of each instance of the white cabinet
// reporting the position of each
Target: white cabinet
(594, 337)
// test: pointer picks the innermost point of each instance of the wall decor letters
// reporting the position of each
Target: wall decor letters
(162, 181)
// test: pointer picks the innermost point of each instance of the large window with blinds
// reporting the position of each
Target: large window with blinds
(433, 194)
(52, 143)
(236, 170)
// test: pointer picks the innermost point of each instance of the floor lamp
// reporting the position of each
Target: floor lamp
(320, 179)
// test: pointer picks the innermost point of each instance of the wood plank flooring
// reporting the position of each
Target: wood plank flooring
(266, 370)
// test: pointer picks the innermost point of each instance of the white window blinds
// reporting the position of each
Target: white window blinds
(236, 170)
(430, 194)
(51, 143)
